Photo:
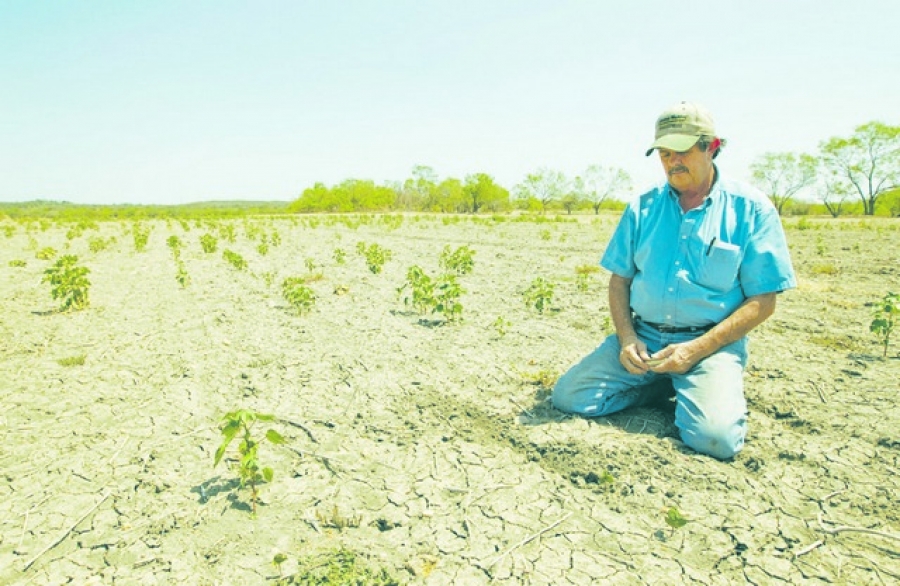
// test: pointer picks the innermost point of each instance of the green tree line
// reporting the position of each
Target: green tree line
(848, 175)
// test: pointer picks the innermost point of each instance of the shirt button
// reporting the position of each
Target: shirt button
(668, 317)
(671, 289)
(684, 237)
(677, 263)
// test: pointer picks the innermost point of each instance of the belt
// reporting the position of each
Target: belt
(667, 329)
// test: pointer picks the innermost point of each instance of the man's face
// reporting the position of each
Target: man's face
(689, 170)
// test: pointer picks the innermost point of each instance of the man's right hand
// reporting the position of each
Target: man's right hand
(634, 356)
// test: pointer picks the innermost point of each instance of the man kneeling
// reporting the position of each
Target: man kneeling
(696, 264)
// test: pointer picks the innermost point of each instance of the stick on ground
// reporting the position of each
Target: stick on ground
(65, 533)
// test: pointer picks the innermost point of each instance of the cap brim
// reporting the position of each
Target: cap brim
(674, 142)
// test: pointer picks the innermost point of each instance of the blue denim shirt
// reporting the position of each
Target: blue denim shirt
(695, 268)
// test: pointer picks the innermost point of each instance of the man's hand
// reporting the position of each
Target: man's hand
(677, 358)
(634, 356)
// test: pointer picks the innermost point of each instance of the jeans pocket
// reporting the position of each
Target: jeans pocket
(719, 267)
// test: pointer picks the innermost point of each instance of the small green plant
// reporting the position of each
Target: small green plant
(298, 294)
(501, 325)
(181, 275)
(69, 282)
(46, 253)
(885, 319)
(262, 248)
(539, 294)
(341, 567)
(98, 244)
(340, 256)
(439, 295)
(209, 243)
(675, 519)
(174, 243)
(459, 261)
(279, 559)
(77, 360)
(234, 259)
(583, 276)
(546, 235)
(248, 468)
(141, 235)
(310, 264)
(17, 263)
(376, 256)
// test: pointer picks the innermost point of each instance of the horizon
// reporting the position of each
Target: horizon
(171, 104)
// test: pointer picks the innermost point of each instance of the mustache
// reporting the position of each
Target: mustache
(678, 169)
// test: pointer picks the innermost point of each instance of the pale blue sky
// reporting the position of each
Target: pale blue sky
(167, 101)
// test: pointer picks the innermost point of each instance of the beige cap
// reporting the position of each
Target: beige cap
(681, 126)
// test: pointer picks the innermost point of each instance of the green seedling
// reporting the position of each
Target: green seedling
(69, 282)
(209, 243)
(376, 256)
(539, 294)
(583, 276)
(47, 253)
(501, 325)
(310, 264)
(279, 559)
(674, 519)
(18, 263)
(235, 259)
(885, 319)
(181, 275)
(98, 244)
(248, 468)
(77, 360)
(439, 295)
(340, 255)
(459, 261)
(298, 294)
(262, 248)
(174, 243)
(141, 235)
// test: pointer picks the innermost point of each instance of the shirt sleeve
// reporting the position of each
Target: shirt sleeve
(766, 267)
(618, 257)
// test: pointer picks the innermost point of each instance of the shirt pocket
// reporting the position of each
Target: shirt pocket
(719, 267)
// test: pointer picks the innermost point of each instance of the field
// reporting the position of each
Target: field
(421, 451)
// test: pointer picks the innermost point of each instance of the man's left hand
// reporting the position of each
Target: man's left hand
(677, 358)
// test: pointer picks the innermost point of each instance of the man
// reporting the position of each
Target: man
(696, 264)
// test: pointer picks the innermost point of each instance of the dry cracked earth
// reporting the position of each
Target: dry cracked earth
(422, 451)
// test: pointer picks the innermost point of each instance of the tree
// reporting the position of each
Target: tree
(545, 186)
(447, 196)
(868, 162)
(834, 194)
(601, 183)
(417, 191)
(480, 191)
(782, 176)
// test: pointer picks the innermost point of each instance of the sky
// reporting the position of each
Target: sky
(166, 102)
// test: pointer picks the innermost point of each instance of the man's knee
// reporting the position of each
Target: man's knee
(720, 439)
(563, 396)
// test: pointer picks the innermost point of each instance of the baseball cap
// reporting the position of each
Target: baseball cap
(681, 126)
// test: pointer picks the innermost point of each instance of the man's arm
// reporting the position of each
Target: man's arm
(633, 352)
(681, 357)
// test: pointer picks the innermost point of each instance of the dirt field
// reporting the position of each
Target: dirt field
(419, 452)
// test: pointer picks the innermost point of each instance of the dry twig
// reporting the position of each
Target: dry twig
(529, 538)
(66, 533)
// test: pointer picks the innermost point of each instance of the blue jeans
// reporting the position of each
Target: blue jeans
(710, 411)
